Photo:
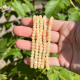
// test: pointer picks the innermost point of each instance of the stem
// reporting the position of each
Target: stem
(40, 74)
(73, 4)
(9, 47)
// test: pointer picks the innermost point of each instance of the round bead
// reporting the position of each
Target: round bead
(31, 66)
(31, 57)
(48, 68)
(36, 62)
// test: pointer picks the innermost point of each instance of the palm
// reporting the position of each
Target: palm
(63, 33)
(68, 47)
(65, 46)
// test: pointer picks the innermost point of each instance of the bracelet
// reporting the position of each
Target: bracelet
(49, 39)
(40, 52)
(33, 41)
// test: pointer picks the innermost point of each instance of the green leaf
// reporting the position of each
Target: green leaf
(77, 1)
(10, 38)
(56, 76)
(23, 77)
(7, 15)
(25, 69)
(2, 50)
(3, 77)
(13, 71)
(63, 16)
(18, 8)
(29, 5)
(51, 77)
(25, 7)
(14, 52)
(74, 14)
(54, 6)
(76, 76)
(65, 75)
(50, 71)
(59, 73)
(3, 43)
(1, 54)
(57, 68)
(9, 4)
(7, 25)
(1, 3)
(55, 55)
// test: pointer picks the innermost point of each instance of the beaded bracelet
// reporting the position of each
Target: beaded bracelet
(44, 41)
(49, 39)
(37, 43)
(39, 50)
(40, 41)
(33, 41)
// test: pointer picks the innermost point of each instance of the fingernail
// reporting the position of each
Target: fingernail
(25, 61)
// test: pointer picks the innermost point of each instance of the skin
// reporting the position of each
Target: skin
(65, 33)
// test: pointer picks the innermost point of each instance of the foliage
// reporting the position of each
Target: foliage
(55, 6)
(2, 77)
(17, 70)
(77, 1)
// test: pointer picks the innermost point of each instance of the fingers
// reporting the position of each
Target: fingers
(27, 32)
(27, 45)
(53, 61)
(56, 26)
(22, 31)
(27, 21)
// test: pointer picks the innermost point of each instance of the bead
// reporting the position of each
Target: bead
(48, 68)
(31, 66)
(36, 62)
(44, 51)
(35, 67)
(31, 57)
(33, 34)
(39, 47)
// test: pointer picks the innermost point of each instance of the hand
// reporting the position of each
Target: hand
(66, 33)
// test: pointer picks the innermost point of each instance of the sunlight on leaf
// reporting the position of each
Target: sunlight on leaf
(14, 52)
(29, 4)
(74, 14)
(55, 6)
(59, 73)
(21, 9)
(3, 77)
(1, 3)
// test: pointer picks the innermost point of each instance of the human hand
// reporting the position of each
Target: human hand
(66, 33)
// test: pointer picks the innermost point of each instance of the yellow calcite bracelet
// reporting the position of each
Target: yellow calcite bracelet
(44, 41)
(49, 40)
(33, 41)
(37, 43)
(40, 50)
(40, 41)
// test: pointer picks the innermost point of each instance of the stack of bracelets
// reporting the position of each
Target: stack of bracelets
(40, 53)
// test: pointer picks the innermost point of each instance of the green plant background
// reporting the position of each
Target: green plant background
(17, 70)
